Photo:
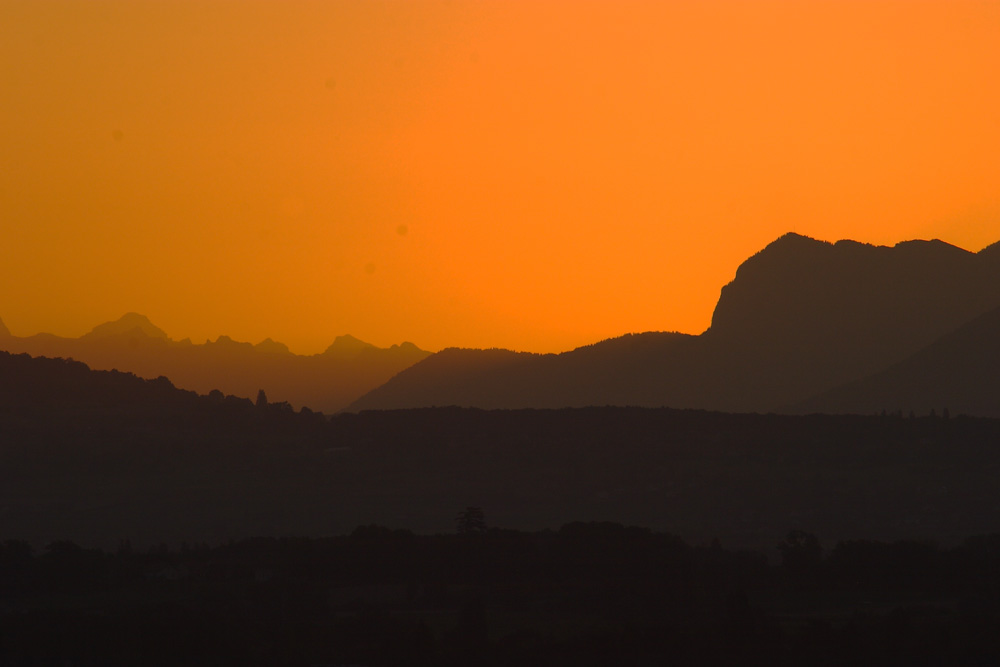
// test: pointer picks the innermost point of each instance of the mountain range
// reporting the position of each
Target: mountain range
(804, 326)
(801, 324)
(326, 382)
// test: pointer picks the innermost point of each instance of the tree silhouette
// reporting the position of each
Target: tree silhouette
(261, 399)
(800, 551)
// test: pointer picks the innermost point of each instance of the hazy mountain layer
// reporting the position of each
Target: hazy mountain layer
(959, 372)
(801, 317)
(325, 382)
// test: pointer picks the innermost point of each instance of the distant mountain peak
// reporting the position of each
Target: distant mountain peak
(348, 339)
(4, 331)
(347, 344)
(270, 346)
(227, 342)
(126, 324)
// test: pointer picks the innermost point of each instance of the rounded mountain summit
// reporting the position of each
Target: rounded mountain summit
(127, 324)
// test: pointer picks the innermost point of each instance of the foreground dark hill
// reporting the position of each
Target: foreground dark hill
(97, 457)
(959, 372)
(326, 382)
(801, 317)
(590, 594)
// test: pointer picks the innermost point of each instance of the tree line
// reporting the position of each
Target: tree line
(589, 593)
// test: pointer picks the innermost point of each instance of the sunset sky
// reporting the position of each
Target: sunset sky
(530, 174)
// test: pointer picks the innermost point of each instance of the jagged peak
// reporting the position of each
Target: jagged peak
(796, 240)
(4, 331)
(347, 344)
(849, 245)
(930, 246)
(789, 242)
(127, 324)
(226, 341)
(348, 339)
(271, 346)
(788, 237)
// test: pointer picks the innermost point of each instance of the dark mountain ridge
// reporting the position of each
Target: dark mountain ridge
(326, 382)
(960, 372)
(800, 317)
(991, 251)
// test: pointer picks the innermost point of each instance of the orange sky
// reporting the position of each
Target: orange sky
(535, 175)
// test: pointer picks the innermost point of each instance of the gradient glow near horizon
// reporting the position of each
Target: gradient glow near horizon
(532, 175)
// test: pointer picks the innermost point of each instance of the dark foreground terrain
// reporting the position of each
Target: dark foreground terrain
(587, 594)
(141, 524)
(97, 457)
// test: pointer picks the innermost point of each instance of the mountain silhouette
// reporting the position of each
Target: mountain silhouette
(959, 372)
(268, 346)
(991, 251)
(325, 382)
(347, 346)
(800, 317)
(127, 324)
(803, 315)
